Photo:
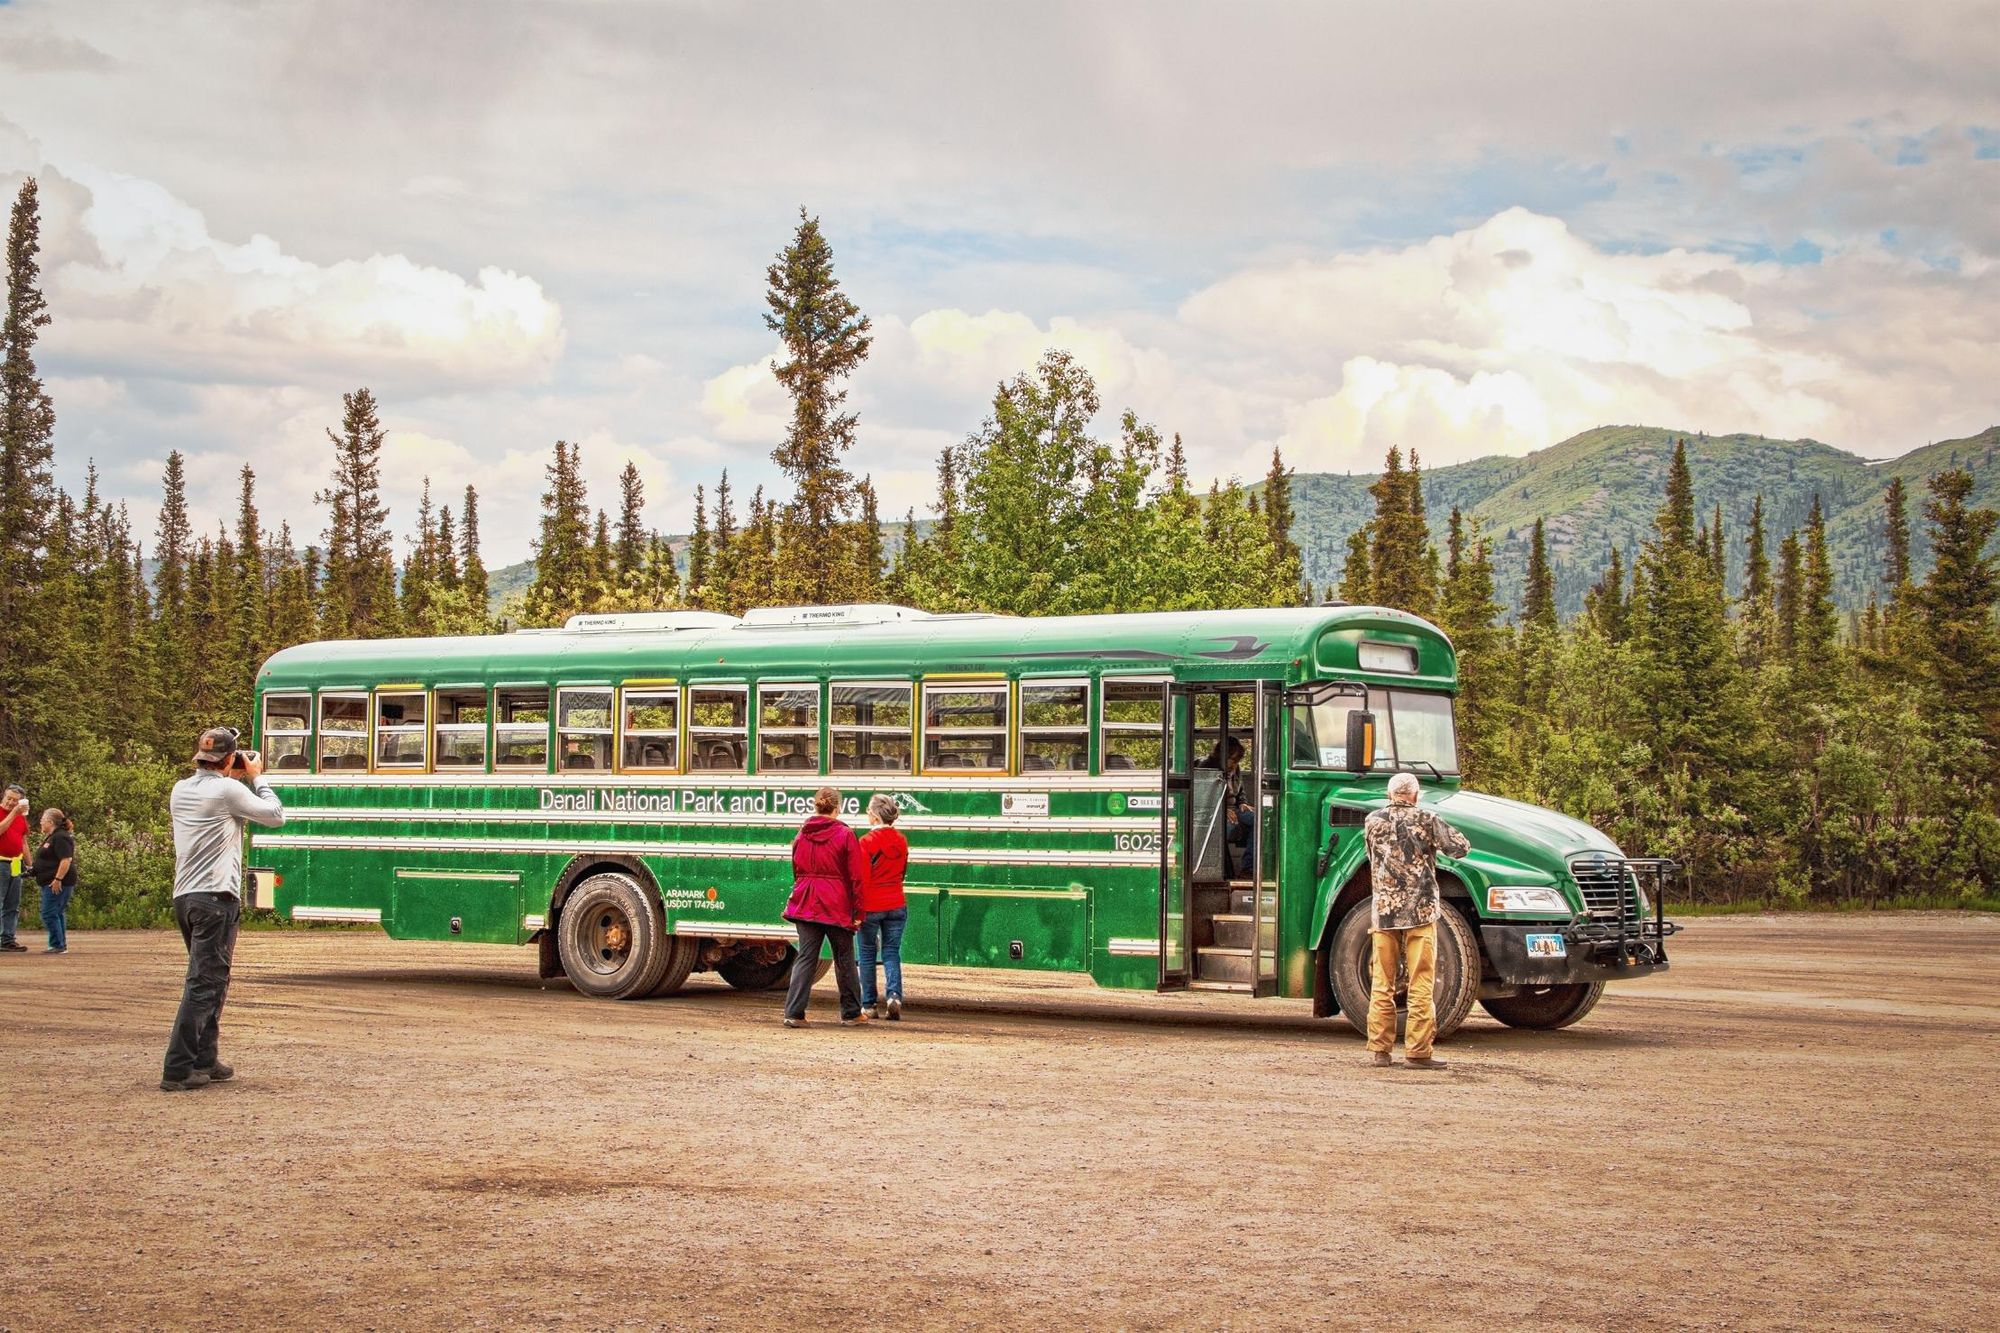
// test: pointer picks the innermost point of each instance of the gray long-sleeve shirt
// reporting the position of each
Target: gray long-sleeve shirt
(209, 813)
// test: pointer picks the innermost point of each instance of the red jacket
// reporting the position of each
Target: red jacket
(888, 856)
(14, 833)
(827, 873)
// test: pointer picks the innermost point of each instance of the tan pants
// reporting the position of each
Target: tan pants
(1413, 952)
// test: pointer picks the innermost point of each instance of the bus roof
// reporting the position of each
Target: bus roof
(1275, 643)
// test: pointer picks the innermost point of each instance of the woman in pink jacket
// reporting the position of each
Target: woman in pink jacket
(828, 871)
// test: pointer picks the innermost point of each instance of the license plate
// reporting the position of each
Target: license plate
(1546, 946)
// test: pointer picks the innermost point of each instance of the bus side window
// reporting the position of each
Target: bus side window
(521, 728)
(718, 728)
(583, 730)
(649, 723)
(287, 734)
(1129, 738)
(965, 726)
(401, 738)
(872, 727)
(1055, 726)
(461, 729)
(788, 728)
(343, 732)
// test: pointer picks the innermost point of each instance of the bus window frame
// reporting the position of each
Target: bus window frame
(367, 731)
(908, 733)
(556, 754)
(816, 733)
(738, 688)
(673, 735)
(381, 729)
(1026, 731)
(983, 682)
(485, 764)
(265, 731)
(547, 724)
(1159, 730)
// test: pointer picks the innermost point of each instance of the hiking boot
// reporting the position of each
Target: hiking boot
(1380, 1059)
(195, 1080)
(795, 1022)
(1427, 1062)
(218, 1072)
(861, 1017)
(10, 946)
(895, 1008)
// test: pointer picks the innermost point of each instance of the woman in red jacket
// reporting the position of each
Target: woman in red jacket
(827, 874)
(884, 910)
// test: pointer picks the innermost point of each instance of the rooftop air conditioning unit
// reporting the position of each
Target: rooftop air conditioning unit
(657, 621)
(859, 613)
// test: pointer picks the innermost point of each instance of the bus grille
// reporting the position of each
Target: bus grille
(1610, 892)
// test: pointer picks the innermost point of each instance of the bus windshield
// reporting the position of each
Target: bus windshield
(1413, 730)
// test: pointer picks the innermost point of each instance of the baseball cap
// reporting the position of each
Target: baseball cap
(215, 746)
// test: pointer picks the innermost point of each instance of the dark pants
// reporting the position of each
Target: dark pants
(208, 926)
(845, 976)
(10, 902)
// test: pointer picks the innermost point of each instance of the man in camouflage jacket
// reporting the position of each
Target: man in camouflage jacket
(1404, 843)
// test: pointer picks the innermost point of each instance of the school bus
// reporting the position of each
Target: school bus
(1163, 801)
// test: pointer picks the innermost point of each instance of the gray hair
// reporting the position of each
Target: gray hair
(1404, 786)
(883, 808)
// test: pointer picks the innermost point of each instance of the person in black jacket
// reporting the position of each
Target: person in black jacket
(55, 872)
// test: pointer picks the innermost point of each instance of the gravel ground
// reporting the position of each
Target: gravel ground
(1795, 1128)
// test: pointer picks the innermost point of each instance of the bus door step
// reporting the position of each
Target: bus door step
(1233, 931)
(1235, 966)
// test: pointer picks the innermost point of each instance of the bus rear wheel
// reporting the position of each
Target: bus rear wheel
(612, 938)
(1452, 992)
(1546, 1007)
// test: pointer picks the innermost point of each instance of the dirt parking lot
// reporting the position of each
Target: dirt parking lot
(1796, 1127)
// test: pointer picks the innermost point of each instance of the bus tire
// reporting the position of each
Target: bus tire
(683, 952)
(1452, 993)
(1546, 1007)
(612, 938)
(745, 972)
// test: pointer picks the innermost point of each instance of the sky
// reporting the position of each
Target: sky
(1334, 227)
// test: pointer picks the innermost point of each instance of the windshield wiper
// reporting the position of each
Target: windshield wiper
(1411, 764)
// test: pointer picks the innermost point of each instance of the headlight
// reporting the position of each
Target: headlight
(1513, 898)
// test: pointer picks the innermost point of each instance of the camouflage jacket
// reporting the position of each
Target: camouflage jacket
(1404, 842)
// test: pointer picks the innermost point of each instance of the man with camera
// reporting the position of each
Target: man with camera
(210, 808)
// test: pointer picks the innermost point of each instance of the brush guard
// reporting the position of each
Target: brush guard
(1614, 928)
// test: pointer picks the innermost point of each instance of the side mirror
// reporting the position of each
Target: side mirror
(1360, 741)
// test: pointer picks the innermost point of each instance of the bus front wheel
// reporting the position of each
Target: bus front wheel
(612, 938)
(1452, 992)
(1546, 1007)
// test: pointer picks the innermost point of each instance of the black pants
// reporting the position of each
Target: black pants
(845, 975)
(208, 926)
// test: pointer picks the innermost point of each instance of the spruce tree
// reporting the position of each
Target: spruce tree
(27, 494)
(1468, 613)
(825, 338)
(358, 586)
(1759, 628)
(1789, 596)
(1357, 580)
(697, 565)
(250, 593)
(291, 620)
(445, 559)
(1818, 623)
(1279, 518)
(1398, 538)
(722, 552)
(631, 547)
(566, 575)
(1538, 604)
(420, 582)
(868, 545)
(1957, 602)
(472, 565)
(1605, 602)
(1896, 537)
(173, 616)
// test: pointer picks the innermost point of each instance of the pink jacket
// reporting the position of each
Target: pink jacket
(828, 871)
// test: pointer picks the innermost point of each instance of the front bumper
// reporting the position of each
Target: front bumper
(1593, 951)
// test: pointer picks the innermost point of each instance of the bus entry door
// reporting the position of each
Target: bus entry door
(1176, 784)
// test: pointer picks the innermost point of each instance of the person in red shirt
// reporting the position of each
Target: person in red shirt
(825, 907)
(13, 846)
(884, 910)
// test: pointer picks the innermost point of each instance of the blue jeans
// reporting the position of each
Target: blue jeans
(55, 913)
(1242, 834)
(881, 936)
(10, 902)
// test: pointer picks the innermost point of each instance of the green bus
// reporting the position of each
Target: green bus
(622, 793)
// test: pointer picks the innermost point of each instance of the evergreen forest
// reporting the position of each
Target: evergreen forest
(1796, 694)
